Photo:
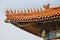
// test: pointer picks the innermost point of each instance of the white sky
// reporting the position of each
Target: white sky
(11, 32)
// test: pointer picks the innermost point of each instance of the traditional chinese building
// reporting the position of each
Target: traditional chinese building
(43, 23)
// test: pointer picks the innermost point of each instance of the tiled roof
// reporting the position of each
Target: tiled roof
(31, 15)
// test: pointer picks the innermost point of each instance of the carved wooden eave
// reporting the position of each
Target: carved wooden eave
(35, 21)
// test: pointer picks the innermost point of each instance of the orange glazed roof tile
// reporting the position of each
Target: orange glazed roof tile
(30, 16)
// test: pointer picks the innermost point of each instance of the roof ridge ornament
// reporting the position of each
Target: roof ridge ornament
(47, 6)
(7, 11)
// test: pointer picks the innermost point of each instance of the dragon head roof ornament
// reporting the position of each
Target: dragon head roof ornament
(47, 6)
